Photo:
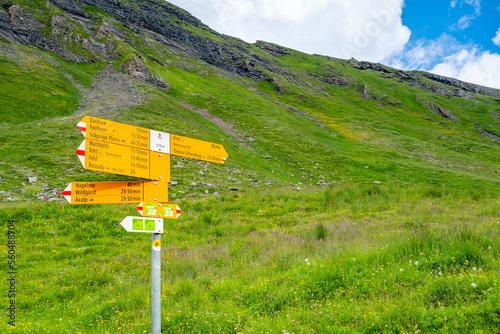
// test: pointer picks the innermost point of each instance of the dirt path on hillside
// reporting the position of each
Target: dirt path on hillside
(110, 90)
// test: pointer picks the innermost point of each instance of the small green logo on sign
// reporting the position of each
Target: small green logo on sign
(138, 224)
(168, 210)
(150, 210)
(150, 224)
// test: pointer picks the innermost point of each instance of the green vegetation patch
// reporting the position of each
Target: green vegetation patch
(349, 259)
(33, 87)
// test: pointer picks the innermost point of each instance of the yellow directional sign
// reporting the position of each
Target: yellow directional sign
(114, 192)
(124, 160)
(159, 210)
(123, 149)
(124, 134)
(114, 132)
(141, 138)
(197, 149)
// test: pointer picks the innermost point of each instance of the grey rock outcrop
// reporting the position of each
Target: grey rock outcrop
(464, 86)
(69, 6)
(485, 133)
(161, 17)
(272, 49)
(22, 27)
(438, 110)
(438, 84)
(135, 68)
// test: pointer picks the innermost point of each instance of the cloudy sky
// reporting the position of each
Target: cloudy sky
(456, 38)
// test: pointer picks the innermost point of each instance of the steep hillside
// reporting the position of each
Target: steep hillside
(287, 119)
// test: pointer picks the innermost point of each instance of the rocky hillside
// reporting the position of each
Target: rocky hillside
(287, 118)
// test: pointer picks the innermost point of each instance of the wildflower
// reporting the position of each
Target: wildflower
(474, 268)
(440, 274)
(400, 269)
(416, 263)
(307, 260)
(473, 285)
(308, 263)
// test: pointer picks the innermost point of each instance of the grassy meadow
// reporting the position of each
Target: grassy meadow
(346, 259)
(347, 203)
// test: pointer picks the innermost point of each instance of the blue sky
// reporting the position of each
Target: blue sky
(468, 22)
(456, 38)
(452, 35)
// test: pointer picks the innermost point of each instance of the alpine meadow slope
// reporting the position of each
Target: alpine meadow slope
(386, 181)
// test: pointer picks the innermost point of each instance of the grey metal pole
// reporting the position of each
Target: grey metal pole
(155, 283)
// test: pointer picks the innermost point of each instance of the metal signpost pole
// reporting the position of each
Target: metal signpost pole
(155, 283)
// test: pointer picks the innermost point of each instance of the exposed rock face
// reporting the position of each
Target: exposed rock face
(63, 34)
(365, 94)
(461, 89)
(275, 50)
(436, 109)
(277, 84)
(485, 133)
(69, 6)
(24, 27)
(158, 17)
(21, 27)
(468, 87)
(155, 18)
(333, 77)
(135, 68)
(106, 29)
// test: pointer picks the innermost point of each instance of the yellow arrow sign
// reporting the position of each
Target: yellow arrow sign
(124, 134)
(197, 149)
(114, 132)
(133, 136)
(124, 160)
(115, 192)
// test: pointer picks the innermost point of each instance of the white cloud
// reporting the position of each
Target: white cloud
(463, 22)
(365, 29)
(446, 56)
(424, 53)
(496, 39)
(482, 68)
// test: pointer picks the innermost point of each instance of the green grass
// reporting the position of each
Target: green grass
(346, 260)
(394, 207)
(33, 89)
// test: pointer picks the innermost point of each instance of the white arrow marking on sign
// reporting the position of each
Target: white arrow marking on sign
(143, 224)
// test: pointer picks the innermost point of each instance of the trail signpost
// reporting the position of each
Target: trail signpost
(114, 192)
(197, 149)
(123, 149)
